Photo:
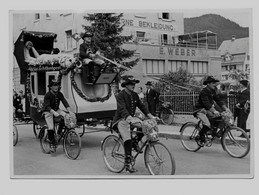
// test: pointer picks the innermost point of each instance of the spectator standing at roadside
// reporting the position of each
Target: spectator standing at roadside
(17, 104)
(223, 94)
(22, 99)
(152, 98)
(240, 110)
(141, 94)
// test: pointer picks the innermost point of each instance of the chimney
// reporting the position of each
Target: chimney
(233, 38)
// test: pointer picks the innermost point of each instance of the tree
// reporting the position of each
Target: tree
(180, 80)
(106, 29)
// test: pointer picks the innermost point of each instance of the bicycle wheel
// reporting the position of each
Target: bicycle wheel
(36, 129)
(72, 144)
(43, 136)
(15, 135)
(159, 160)
(189, 132)
(167, 116)
(236, 142)
(113, 153)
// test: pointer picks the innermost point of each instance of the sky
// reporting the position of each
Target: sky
(239, 16)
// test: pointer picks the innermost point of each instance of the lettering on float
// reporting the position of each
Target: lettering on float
(174, 51)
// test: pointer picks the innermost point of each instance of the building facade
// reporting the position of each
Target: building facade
(235, 56)
(156, 42)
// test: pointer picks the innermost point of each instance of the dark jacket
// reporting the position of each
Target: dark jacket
(52, 101)
(207, 98)
(242, 97)
(85, 50)
(152, 97)
(126, 105)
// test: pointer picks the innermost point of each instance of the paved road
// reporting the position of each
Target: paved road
(29, 161)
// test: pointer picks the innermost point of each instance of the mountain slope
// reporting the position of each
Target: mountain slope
(224, 28)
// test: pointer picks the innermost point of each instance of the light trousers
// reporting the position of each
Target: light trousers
(49, 118)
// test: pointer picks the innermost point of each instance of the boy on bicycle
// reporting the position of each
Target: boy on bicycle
(209, 105)
(127, 101)
(51, 108)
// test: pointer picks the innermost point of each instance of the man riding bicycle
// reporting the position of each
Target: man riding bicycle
(209, 105)
(51, 108)
(127, 101)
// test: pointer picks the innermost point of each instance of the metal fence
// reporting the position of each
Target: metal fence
(184, 102)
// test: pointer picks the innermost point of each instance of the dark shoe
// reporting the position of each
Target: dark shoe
(52, 145)
(130, 168)
(242, 135)
(200, 140)
(128, 164)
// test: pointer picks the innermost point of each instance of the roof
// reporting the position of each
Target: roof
(198, 34)
(236, 46)
(40, 34)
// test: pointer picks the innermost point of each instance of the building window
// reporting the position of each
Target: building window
(165, 16)
(199, 67)
(154, 66)
(164, 39)
(232, 67)
(248, 57)
(69, 40)
(37, 16)
(175, 65)
(140, 36)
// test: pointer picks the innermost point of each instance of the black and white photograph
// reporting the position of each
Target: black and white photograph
(132, 94)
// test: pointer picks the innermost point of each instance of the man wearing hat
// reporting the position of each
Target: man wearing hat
(152, 98)
(207, 105)
(51, 107)
(88, 55)
(240, 110)
(127, 101)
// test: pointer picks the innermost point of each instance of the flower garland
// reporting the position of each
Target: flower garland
(73, 68)
(82, 95)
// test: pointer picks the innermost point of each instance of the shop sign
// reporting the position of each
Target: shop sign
(175, 51)
(150, 25)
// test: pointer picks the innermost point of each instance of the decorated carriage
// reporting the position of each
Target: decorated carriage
(90, 102)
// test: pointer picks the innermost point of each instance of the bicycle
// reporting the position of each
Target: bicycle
(234, 140)
(71, 140)
(165, 113)
(15, 135)
(157, 157)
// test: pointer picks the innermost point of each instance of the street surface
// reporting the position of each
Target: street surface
(30, 162)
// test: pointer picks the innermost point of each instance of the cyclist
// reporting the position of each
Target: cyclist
(209, 105)
(127, 102)
(51, 108)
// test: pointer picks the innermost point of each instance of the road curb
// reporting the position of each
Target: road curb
(169, 136)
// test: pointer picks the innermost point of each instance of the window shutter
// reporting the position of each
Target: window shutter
(160, 15)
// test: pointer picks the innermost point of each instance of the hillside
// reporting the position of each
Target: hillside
(224, 28)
